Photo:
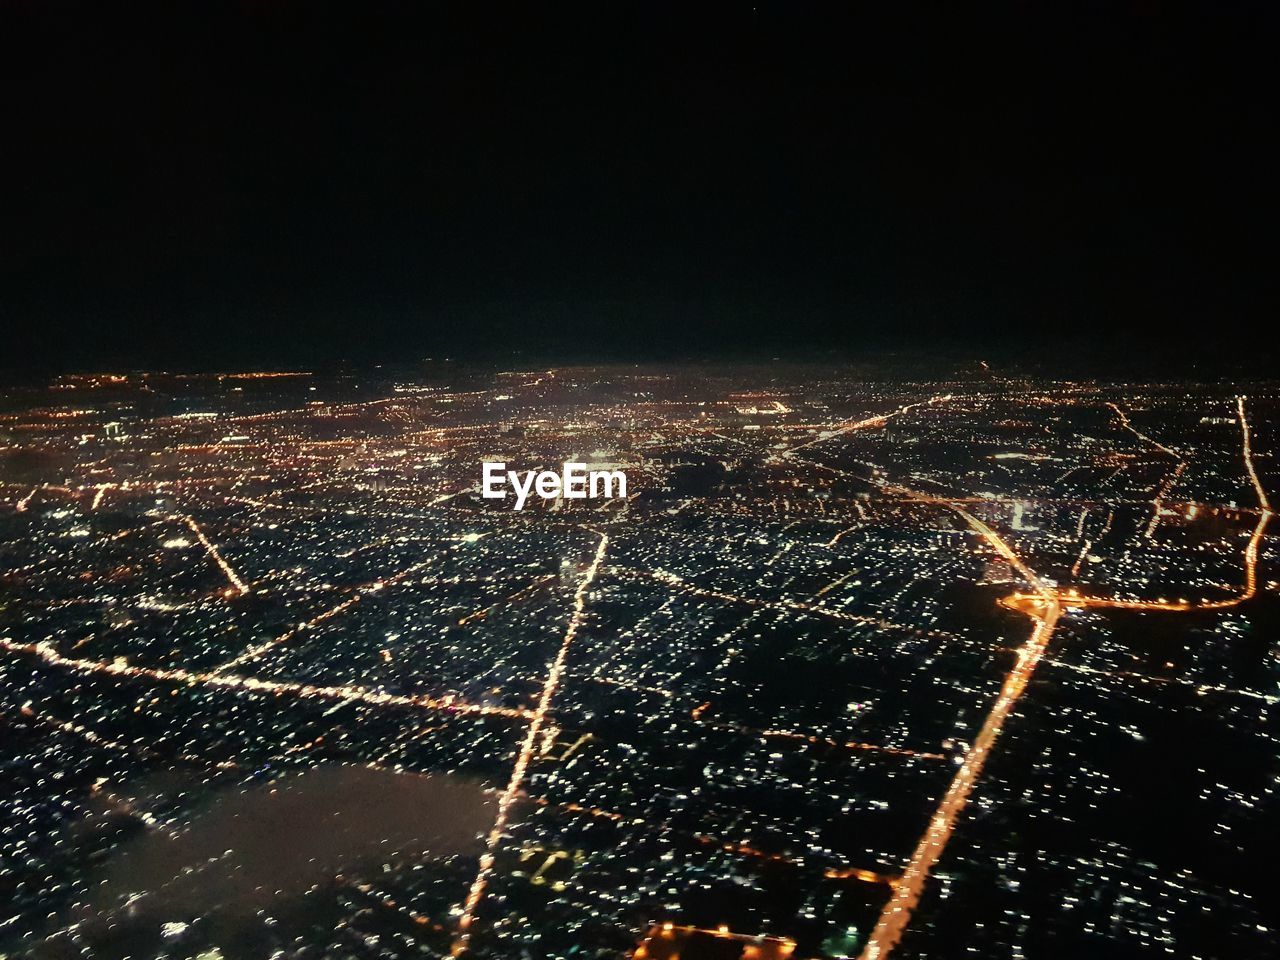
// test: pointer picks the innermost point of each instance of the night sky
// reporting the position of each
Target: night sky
(273, 183)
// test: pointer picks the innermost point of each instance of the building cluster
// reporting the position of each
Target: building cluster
(714, 715)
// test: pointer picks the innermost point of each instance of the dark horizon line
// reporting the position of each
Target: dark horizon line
(897, 363)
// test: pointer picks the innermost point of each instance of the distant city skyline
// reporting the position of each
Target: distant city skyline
(852, 668)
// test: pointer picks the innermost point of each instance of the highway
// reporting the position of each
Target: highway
(906, 892)
(792, 606)
(1045, 606)
(515, 784)
(230, 681)
(232, 577)
(1248, 456)
(1124, 421)
(869, 423)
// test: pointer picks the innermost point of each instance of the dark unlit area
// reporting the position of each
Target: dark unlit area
(259, 849)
